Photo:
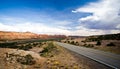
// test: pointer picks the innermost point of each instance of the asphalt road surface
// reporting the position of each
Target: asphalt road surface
(109, 59)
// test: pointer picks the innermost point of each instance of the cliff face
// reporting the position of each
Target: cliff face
(25, 35)
(17, 35)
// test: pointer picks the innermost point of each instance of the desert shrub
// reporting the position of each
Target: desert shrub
(72, 42)
(110, 37)
(88, 45)
(27, 60)
(64, 41)
(34, 44)
(68, 41)
(84, 44)
(83, 41)
(8, 45)
(47, 50)
(98, 43)
(59, 40)
(77, 43)
(27, 47)
(111, 44)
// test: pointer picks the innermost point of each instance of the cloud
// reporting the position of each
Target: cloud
(83, 31)
(33, 27)
(104, 18)
(46, 25)
(62, 23)
(105, 15)
(40, 28)
(87, 32)
(74, 11)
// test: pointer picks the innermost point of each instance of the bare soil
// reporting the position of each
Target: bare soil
(61, 59)
(113, 49)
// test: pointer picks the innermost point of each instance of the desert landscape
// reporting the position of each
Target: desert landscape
(109, 43)
(39, 54)
(59, 34)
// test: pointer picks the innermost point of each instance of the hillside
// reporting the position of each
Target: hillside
(104, 37)
(108, 42)
(43, 55)
(26, 35)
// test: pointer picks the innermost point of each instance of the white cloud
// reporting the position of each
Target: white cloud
(118, 26)
(87, 32)
(82, 31)
(33, 27)
(43, 29)
(48, 25)
(44, 26)
(74, 11)
(62, 23)
(90, 18)
(105, 15)
(104, 19)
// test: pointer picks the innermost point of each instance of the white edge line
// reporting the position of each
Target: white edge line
(100, 61)
(97, 60)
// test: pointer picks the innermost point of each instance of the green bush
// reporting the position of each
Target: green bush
(77, 43)
(27, 60)
(83, 41)
(47, 50)
(68, 41)
(73, 42)
(111, 44)
(64, 41)
(27, 47)
(88, 45)
(98, 43)
(9, 45)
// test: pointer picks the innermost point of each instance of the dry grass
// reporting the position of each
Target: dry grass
(115, 50)
(103, 47)
(61, 59)
(66, 59)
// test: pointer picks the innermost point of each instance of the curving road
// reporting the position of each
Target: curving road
(109, 59)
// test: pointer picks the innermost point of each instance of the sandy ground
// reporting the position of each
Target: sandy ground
(62, 59)
(113, 49)
(8, 63)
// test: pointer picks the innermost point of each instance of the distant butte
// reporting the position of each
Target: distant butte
(7, 35)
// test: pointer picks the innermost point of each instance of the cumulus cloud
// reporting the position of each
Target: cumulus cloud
(105, 15)
(44, 26)
(62, 23)
(33, 27)
(104, 18)
(43, 29)
(83, 31)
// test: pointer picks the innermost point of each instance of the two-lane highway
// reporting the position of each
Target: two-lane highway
(109, 59)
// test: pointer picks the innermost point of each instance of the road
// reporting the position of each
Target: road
(109, 59)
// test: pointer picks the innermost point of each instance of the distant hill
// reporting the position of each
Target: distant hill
(98, 37)
(77, 36)
(109, 37)
(104, 37)
(6, 35)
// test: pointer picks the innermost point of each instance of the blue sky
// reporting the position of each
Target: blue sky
(74, 17)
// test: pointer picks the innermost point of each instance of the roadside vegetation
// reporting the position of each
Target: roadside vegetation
(26, 60)
(49, 50)
(111, 44)
(98, 43)
(38, 55)
(108, 43)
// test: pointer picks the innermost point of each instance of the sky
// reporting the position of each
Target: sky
(64, 17)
